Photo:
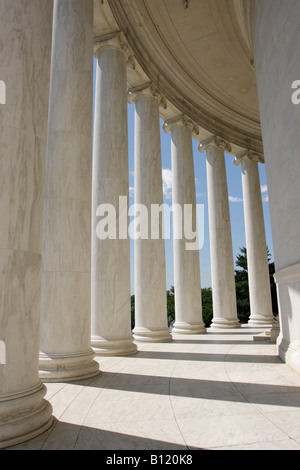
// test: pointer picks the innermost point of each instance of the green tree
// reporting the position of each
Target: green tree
(273, 289)
(171, 305)
(242, 286)
(132, 312)
(207, 306)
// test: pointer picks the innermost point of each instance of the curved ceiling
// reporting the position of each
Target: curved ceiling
(200, 58)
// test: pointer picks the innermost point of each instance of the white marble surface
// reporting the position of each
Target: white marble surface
(275, 30)
(197, 392)
(25, 38)
(66, 353)
(149, 254)
(187, 283)
(257, 257)
(222, 267)
(111, 306)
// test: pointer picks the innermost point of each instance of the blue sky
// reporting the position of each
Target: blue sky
(235, 194)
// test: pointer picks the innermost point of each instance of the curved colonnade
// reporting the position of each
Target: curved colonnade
(53, 261)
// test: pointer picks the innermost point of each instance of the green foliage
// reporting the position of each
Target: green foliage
(207, 306)
(171, 305)
(132, 312)
(242, 286)
(273, 289)
(241, 260)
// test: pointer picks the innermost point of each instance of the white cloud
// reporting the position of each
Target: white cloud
(167, 182)
(131, 191)
(264, 188)
(235, 199)
(264, 192)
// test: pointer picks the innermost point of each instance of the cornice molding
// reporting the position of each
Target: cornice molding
(212, 114)
(243, 14)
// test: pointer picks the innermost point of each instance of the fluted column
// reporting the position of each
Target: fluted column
(257, 257)
(149, 252)
(222, 266)
(111, 306)
(187, 283)
(25, 67)
(66, 353)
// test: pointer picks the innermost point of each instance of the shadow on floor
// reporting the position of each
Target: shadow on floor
(208, 357)
(66, 436)
(221, 390)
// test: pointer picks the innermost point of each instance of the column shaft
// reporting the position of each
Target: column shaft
(222, 266)
(25, 66)
(149, 253)
(66, 353)
(277, 67)
(187, 283)
(257, 258)
(111, 306)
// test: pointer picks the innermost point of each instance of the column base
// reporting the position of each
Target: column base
(288, 290)
(262, 322)
(222, 323)
(24, 416)
(290, 354)
(121, 347)
(69, 367)
(152, 336)
(184, 328)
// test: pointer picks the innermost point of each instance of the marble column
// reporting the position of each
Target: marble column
(187, 282)
(275, 37)
(222, 265)
(111, 304)
(257, 257)
(66, 353)
(25, 38)
(151, 322)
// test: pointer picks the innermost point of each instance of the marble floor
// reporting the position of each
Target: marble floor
(222, 390)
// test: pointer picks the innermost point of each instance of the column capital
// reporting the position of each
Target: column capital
(249, 155)
(180, 120)
(114, 40)
(214, 141)
(147, 89)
